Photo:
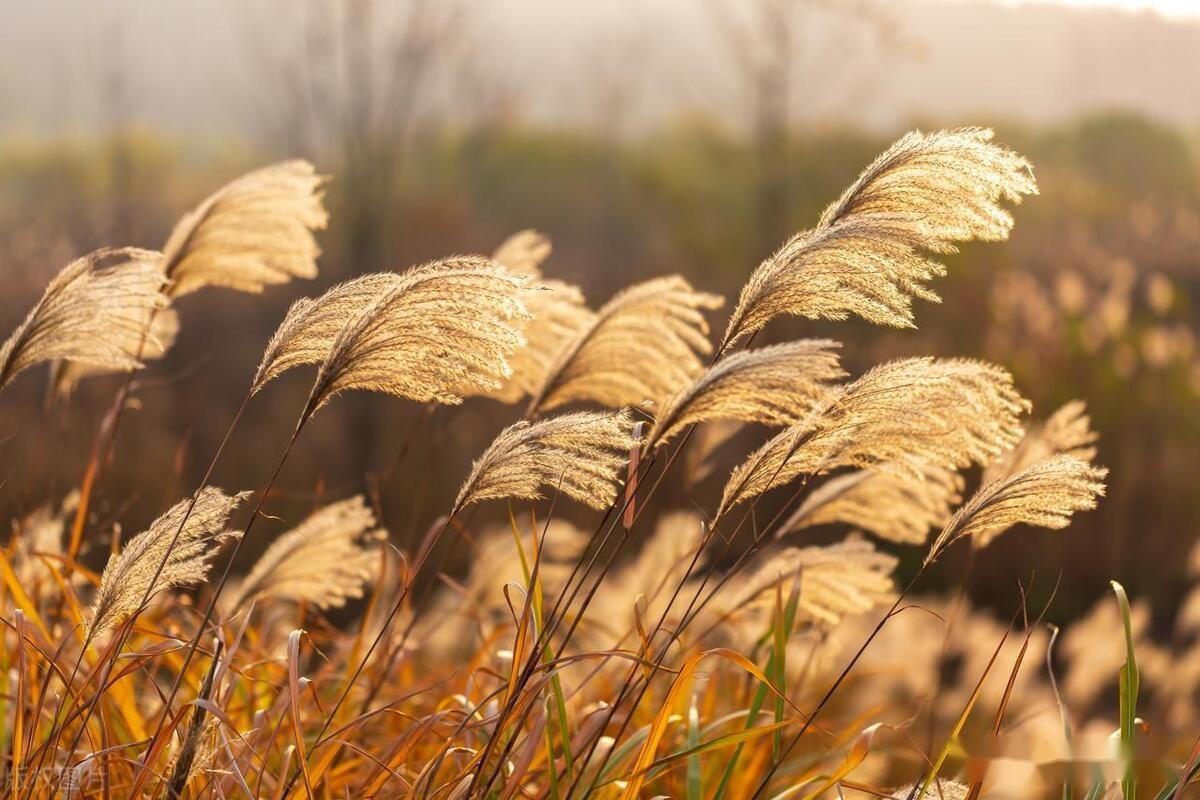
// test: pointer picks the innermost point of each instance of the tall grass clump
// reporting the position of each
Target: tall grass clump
(766, 639)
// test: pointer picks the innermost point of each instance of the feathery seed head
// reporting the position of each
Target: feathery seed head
(439, 332)
(865, 256)
(582, 454)
(130, 574)
(251, 233)
(523, 252)
(1045, 494)
(641, 345)
(325, 560)
(777, 385)
(93, 312)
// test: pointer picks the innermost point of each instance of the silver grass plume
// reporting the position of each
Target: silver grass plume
(836, 581)
(325, 560)
(643, 344)
(1068, 430)
(130, 575)
(582, 454)
(312, 324)
(557, 315)
(1045, 495)
(253, 232)
(866, 256)
(440, 332)
(901, 416)
(777, 385)
(893, 505)
(93, 312)
(164, 328)
(524, 252)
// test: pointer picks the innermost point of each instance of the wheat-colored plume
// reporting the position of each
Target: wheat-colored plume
(903, 416)
(253, 232)
(582, 454)
(557, 315)
(892, 504)
(93, 312)
(836, 581)
(130, 575)
(325, 560)
(1068, 430)
(40, 534)
(312, 324)
(164, 328)
(1045, 494)
(866, 256)
(441, 331)
(777, 385)
(524, 252)
(642, 345)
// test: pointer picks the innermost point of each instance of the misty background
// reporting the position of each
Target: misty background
(645, 138)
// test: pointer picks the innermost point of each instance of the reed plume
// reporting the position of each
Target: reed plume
(1068, 431)
(325, 561)
(836, 581)
(253, 232)
(441, 331)
(130, 575)
(93, 312)
(1045, 494)
(902, 416)
(159, 338)
(891, 504)
(642, 344)
(777, 385)
(311, 325)
(581, 454)
(557, 315)
(866, 256)
(524, 252)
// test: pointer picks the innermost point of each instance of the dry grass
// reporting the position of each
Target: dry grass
(687, 656)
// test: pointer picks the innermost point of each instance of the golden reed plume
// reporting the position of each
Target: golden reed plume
(836, 581)
(93, 312)
(902, 416)
(433, 334)
(325, 560)
(582, 454)
(164, 328)
(866, 255)
(1045, 494)
(130, 575)
(777, 385)
(557, 315)
(891, 504)
(1068, 430)
(250, 233)
(642, 345)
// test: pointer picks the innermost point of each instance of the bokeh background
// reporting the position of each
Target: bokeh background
(644, 138)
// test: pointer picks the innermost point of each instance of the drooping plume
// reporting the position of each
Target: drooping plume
(325, 560)
(312, 324)
(1067, 431)
(557, 316)
(893, 505)
(582, 454)
(776, 385)
(904, 416)
(1045, 494)
(645, 343)
(130, 575)
(251, 233)
(867, 255)
(93, 313)
(440, 332)
(836, 581)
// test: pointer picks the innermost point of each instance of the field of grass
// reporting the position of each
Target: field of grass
(620, 596)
